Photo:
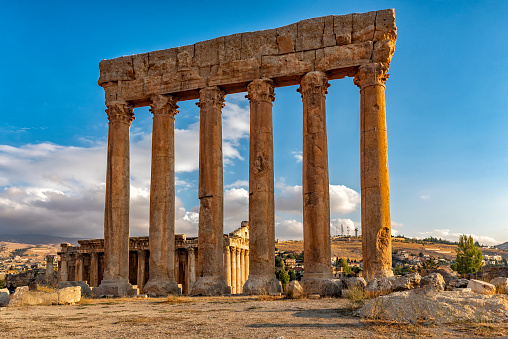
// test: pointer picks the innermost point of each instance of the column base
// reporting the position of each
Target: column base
(210, 286)
(116, 288)
(161, 287)
(260, 285)
(369, 275)
(324, 286)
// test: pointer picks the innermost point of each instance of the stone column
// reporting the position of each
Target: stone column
(233, 271)
(78, 267)
(210, 236)
(376, 223)
(262, 278)
(162, 198)
(50, 269)
(317, 278)
(141, 274)
(242, 268)
(94, 269)
(238, 271)
(227, 265)
(247, 265)
(116, 214)
(191, 258)
(64, 268)
(177, 266)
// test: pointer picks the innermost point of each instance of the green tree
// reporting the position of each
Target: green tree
(469, 256)
(430, 264)
(345, 267)
(292, 275)
(278, 262)
(283, 278)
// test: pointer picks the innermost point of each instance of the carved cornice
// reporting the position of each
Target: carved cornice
(121, 111)
(371, 75)
(314, 83)
(261, 90)
(164, 105)
(211, 97)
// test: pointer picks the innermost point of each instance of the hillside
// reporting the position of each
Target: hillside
(352, 248)
(36, 239)
(503, 246)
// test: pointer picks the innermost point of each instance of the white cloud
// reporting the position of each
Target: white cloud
(298, 156)
(288, 230)
(425, 197)
(454, 236)
(337, 224)
(238, 184)
(236, 208)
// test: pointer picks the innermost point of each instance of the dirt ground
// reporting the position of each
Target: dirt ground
(218, 317)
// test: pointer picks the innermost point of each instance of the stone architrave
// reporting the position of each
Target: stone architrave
(162, 198)
(375, 204)
(210, 279)
(141, 273)
(116, 214)
(262, 278)
(94, 269)
(318, 278)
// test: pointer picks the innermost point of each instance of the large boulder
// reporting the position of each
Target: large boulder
(501, 284)
(433, 281)
(481, 287)
(86, 291)
(458, 283)
(407, 282)
(447, 273)
(295, 290)
(440, 307)
(19, 291)
(4, 297)
(355, 282)
(69, 295)
(379, 286)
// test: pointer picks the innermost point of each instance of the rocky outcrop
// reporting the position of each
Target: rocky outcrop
(481, 287)
(379, 286)
(69, 295)
(295, 290)
(407, 282)
(439, 307)
(4, 297)
(433, 281)
(501, 284)
(86, 291)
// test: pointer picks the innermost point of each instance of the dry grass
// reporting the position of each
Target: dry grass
(46, 289)
(173, 299)
(268, 297)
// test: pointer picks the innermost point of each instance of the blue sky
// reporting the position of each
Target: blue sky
(447, 99)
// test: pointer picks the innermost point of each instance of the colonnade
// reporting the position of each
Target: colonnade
(212, 279)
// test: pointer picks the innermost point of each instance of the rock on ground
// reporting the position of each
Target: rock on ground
(68, 295)
(358, 282)
(294, 289)
(86, 291)
(458, 283)
(407, 282)
(433, 281)
(440, 307)
(4, 297)
(481, 287)
(501, 284)
(380, 286)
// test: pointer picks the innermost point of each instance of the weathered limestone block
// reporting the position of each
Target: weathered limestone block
(310, 34)
(283, 66)
(322, 287)
(342, 56)
(481, 287)
(343, 27)
(161, 62)
(69, 295)
(4, 297)
(86, 291)
(116, 69)
(140, 64)
(257, 44)
(286, 38)
(385, 25)
(355, 282)
(447, 273)
(458, 283)
(231, 50)
(379, 286)
(433, 281)
(363, 26)
(407, 282)
(207, 52)
(383, 51)
(20, 290)
(501, 284)
(236, 71)
(441, 307)
(295, 290)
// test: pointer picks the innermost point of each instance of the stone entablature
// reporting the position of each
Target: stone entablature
(335, 44)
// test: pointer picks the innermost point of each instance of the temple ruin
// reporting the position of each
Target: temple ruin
(308, 53)
(86, 261)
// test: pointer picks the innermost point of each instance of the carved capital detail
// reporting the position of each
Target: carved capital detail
(371, 75)
(261, 90)
(211, 97)
(314, 83)
(121, 111)
(164, 105)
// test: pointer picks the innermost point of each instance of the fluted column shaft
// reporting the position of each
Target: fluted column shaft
(162, 198)
(191, 257)
(116, 214)
(375, 204)
(63, 271)
(238, 271)
(78, 267)
(233, 271)
(141, 273)
(94, 269)
(316, 194)
(227, 265)
(210, 236)
(261, 190)
(49, 268)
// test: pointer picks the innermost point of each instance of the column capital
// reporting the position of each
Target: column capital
(211, 96)
(314, 83)
(370, 75)
(227, 249)
(261, 90)
(94, 255)
(164, 105)
(121, 111)
(190, 250)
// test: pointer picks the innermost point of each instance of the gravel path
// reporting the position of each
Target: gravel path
(216, 317)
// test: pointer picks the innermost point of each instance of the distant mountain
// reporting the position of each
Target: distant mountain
(36, 239)
(503, 246)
